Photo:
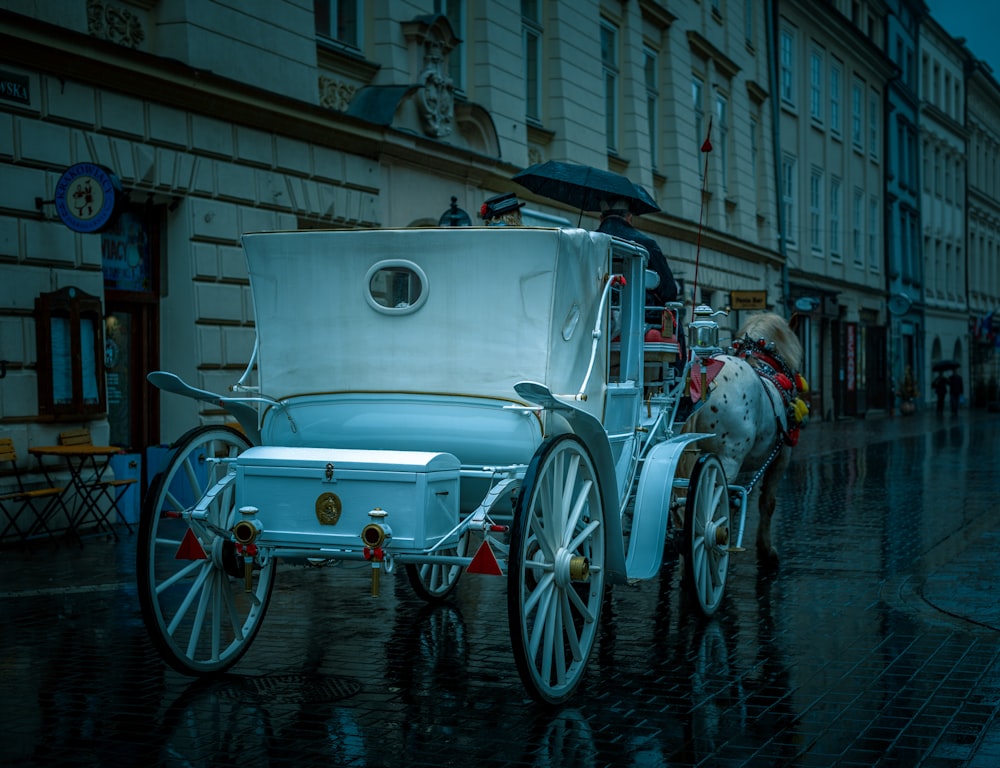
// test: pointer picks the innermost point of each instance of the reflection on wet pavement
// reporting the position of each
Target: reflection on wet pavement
(875, 643)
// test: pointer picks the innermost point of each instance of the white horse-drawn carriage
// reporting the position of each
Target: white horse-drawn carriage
(441, 400)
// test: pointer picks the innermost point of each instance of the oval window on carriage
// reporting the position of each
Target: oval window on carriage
(396, 286)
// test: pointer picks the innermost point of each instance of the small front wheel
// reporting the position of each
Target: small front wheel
(556, 575)
(434, 582)
(191, 581)
(706, 533)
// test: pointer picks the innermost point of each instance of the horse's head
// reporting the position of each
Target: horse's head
(773, 329)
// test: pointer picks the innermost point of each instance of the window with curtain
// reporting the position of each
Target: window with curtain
(787, 54)
(788, 199)
(835, 219)
(339, 20)
(722, 137)
(650, 60)
(698, 108)
(835, 86)
(531, 32)
(857, 113)
(816, 85)
(609, 63)
(454, 11)
(816, 211)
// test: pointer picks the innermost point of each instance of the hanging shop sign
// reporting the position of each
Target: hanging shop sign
(88, 197)
(748, 299)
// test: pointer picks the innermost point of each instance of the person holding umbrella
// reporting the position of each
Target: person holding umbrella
(616, 219)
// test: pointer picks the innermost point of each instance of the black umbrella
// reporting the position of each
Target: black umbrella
(583, 186)
(945, 365)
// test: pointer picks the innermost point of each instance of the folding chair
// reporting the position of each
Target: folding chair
(98, 487)
(14, 503)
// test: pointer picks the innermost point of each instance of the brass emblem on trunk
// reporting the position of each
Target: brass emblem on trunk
(328, 508)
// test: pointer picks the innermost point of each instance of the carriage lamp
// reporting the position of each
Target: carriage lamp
(703, 332)
(376, 536)
(245, 532)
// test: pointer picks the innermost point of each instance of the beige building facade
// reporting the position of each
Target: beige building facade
(943, 139)
(212, 119)
(217, 119)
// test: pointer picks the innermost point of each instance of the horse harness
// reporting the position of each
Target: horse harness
(768, 363)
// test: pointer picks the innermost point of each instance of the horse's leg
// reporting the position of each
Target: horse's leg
(766, 553)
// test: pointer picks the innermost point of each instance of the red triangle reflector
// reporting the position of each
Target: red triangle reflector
(190, 548)
(485, 562)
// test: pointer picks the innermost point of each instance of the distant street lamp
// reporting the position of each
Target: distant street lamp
(454, 216)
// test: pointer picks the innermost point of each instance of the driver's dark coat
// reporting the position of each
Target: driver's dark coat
(667, 290)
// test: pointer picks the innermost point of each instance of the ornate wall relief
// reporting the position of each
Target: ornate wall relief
(115, 24)
(335, 94)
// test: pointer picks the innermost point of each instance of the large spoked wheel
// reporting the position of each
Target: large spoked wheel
(556, 575)
(191, 581)
(434, 582)
(706, 534)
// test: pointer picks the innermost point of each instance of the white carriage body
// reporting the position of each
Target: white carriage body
(415, 393)
(433, 366)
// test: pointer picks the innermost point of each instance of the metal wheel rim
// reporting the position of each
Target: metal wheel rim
(706, 560)
(196, 610)
(554, 619)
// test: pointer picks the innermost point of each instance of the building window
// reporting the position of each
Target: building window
(788, 199)
(454, 11)
(787, 49)
(857, 113)
(873, 228)
(835, 89)
(698, 107)
(749, 31)
(754, 151)
(857, 217)
(835, 219)
(873, 127)
(652, 104)
(816, 211)
(339, 20)
(722, 120)
(816, 86)
(609, 63)
(70, 354)
(531, 30)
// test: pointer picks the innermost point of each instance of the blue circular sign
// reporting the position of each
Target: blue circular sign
(87, 197)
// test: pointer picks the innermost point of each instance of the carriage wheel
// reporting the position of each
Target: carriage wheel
(706, 533)
(434, 582)
(191, 582)
(556, 575)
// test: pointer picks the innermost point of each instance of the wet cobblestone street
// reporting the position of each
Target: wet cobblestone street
(875, 643)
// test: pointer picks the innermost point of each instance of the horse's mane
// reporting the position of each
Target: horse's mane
(772, 328)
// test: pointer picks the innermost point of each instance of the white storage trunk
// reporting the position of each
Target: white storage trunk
(322, 496)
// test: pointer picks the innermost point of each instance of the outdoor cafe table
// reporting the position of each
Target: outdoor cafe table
(87, 465)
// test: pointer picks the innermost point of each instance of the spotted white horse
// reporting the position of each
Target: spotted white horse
(753, 412)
